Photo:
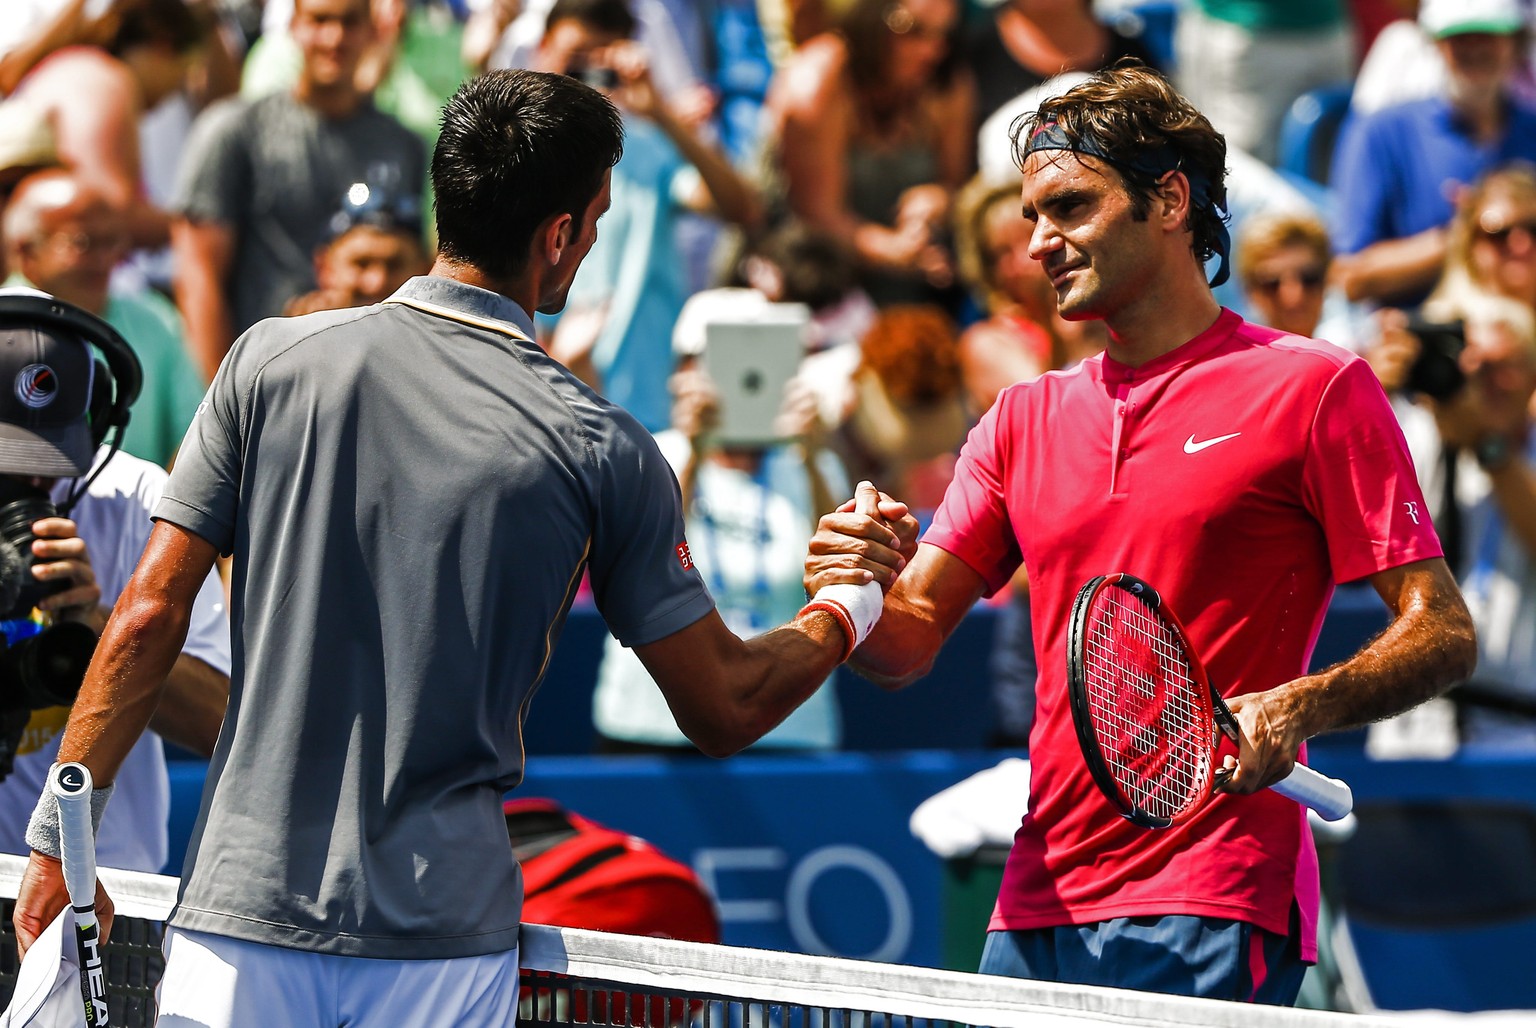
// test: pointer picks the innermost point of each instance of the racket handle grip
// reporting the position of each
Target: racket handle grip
(1331, 798)
(71, 785)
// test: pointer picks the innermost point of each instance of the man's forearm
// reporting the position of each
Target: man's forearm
(1428, 647)
(191, 709)
(124, 683)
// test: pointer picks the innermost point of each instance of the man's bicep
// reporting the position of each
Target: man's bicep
(1426, 585)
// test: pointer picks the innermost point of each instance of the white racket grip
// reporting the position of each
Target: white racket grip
(71, 786)
(1331, 798)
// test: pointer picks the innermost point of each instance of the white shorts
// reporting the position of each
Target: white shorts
(212, 981)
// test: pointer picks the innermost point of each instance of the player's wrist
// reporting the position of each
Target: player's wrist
(43, 828)
(856, 608)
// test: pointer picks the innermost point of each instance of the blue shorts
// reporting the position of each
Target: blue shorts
(1180, 955)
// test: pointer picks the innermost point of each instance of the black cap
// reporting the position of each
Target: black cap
(45, 392)
(382, 206)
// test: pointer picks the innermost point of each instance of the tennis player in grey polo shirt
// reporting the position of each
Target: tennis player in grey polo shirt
(411, 492)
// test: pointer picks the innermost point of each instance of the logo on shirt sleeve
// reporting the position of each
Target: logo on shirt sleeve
(1412, 508)
(684, 557)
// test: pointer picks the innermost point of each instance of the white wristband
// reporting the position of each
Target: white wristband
(856, 607)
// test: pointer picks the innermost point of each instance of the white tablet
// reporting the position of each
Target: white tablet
(751, 359)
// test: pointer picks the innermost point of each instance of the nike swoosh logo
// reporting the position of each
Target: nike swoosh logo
(1190, 446)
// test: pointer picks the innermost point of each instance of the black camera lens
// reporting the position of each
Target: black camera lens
(1437, 371)
(50, 666)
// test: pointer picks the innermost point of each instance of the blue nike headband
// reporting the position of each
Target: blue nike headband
(1153, 164)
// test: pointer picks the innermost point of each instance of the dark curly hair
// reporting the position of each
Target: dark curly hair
(1133, 116)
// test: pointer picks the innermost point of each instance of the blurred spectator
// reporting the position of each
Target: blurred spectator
(794, 263)
(1282, 262)
(64, 237)
(1397, 172)
(410, 68)
(1492, 241)
(871, 129)
(673, 71)
(33, 29)
(907, 413)
(1403, 64)
(260, 180)
(374, 247)
(1026, 42)
(628, 292)
(1475, 448)
(749, 514)
(1020, 335)
(1242, 62)
(95, 97)
(27, 144)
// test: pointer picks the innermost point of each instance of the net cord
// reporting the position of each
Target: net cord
(828, 983)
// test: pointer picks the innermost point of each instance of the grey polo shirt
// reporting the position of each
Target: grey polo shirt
(411, 492)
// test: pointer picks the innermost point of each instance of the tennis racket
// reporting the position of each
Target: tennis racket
(71, 785)
(1147, 713)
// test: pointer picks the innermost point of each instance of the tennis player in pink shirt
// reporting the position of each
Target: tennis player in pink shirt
(1240, 470)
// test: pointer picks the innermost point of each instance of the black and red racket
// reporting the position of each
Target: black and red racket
(1147, 713)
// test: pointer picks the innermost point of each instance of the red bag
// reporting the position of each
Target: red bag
(579, 874)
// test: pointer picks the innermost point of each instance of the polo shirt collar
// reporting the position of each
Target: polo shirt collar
(1186, 353)
(466, 299)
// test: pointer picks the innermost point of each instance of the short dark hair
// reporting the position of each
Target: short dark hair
(516, 148)
(611, 16)
(1131, 113)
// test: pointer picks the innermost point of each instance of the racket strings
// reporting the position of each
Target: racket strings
(1147, 711)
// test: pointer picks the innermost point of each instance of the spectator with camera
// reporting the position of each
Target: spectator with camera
(1472, 373)
(74, 517)
(1463, 372)
(629, 291)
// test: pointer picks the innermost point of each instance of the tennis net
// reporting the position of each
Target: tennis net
(581, 979)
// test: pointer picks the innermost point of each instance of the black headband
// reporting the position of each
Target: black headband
(1153, 164)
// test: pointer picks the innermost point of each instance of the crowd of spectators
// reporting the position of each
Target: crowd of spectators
(186, 168)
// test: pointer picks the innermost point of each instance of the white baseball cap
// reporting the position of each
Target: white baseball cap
(1442, 18)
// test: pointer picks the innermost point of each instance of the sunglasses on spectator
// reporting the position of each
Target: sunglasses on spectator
(1310, 278)
(1499, 235)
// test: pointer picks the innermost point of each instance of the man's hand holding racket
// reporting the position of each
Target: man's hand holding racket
(1268, 741)
(42, 894)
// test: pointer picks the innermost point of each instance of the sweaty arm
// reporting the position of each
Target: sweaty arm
(122, 688)
(204, 253)
(1428, 647)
